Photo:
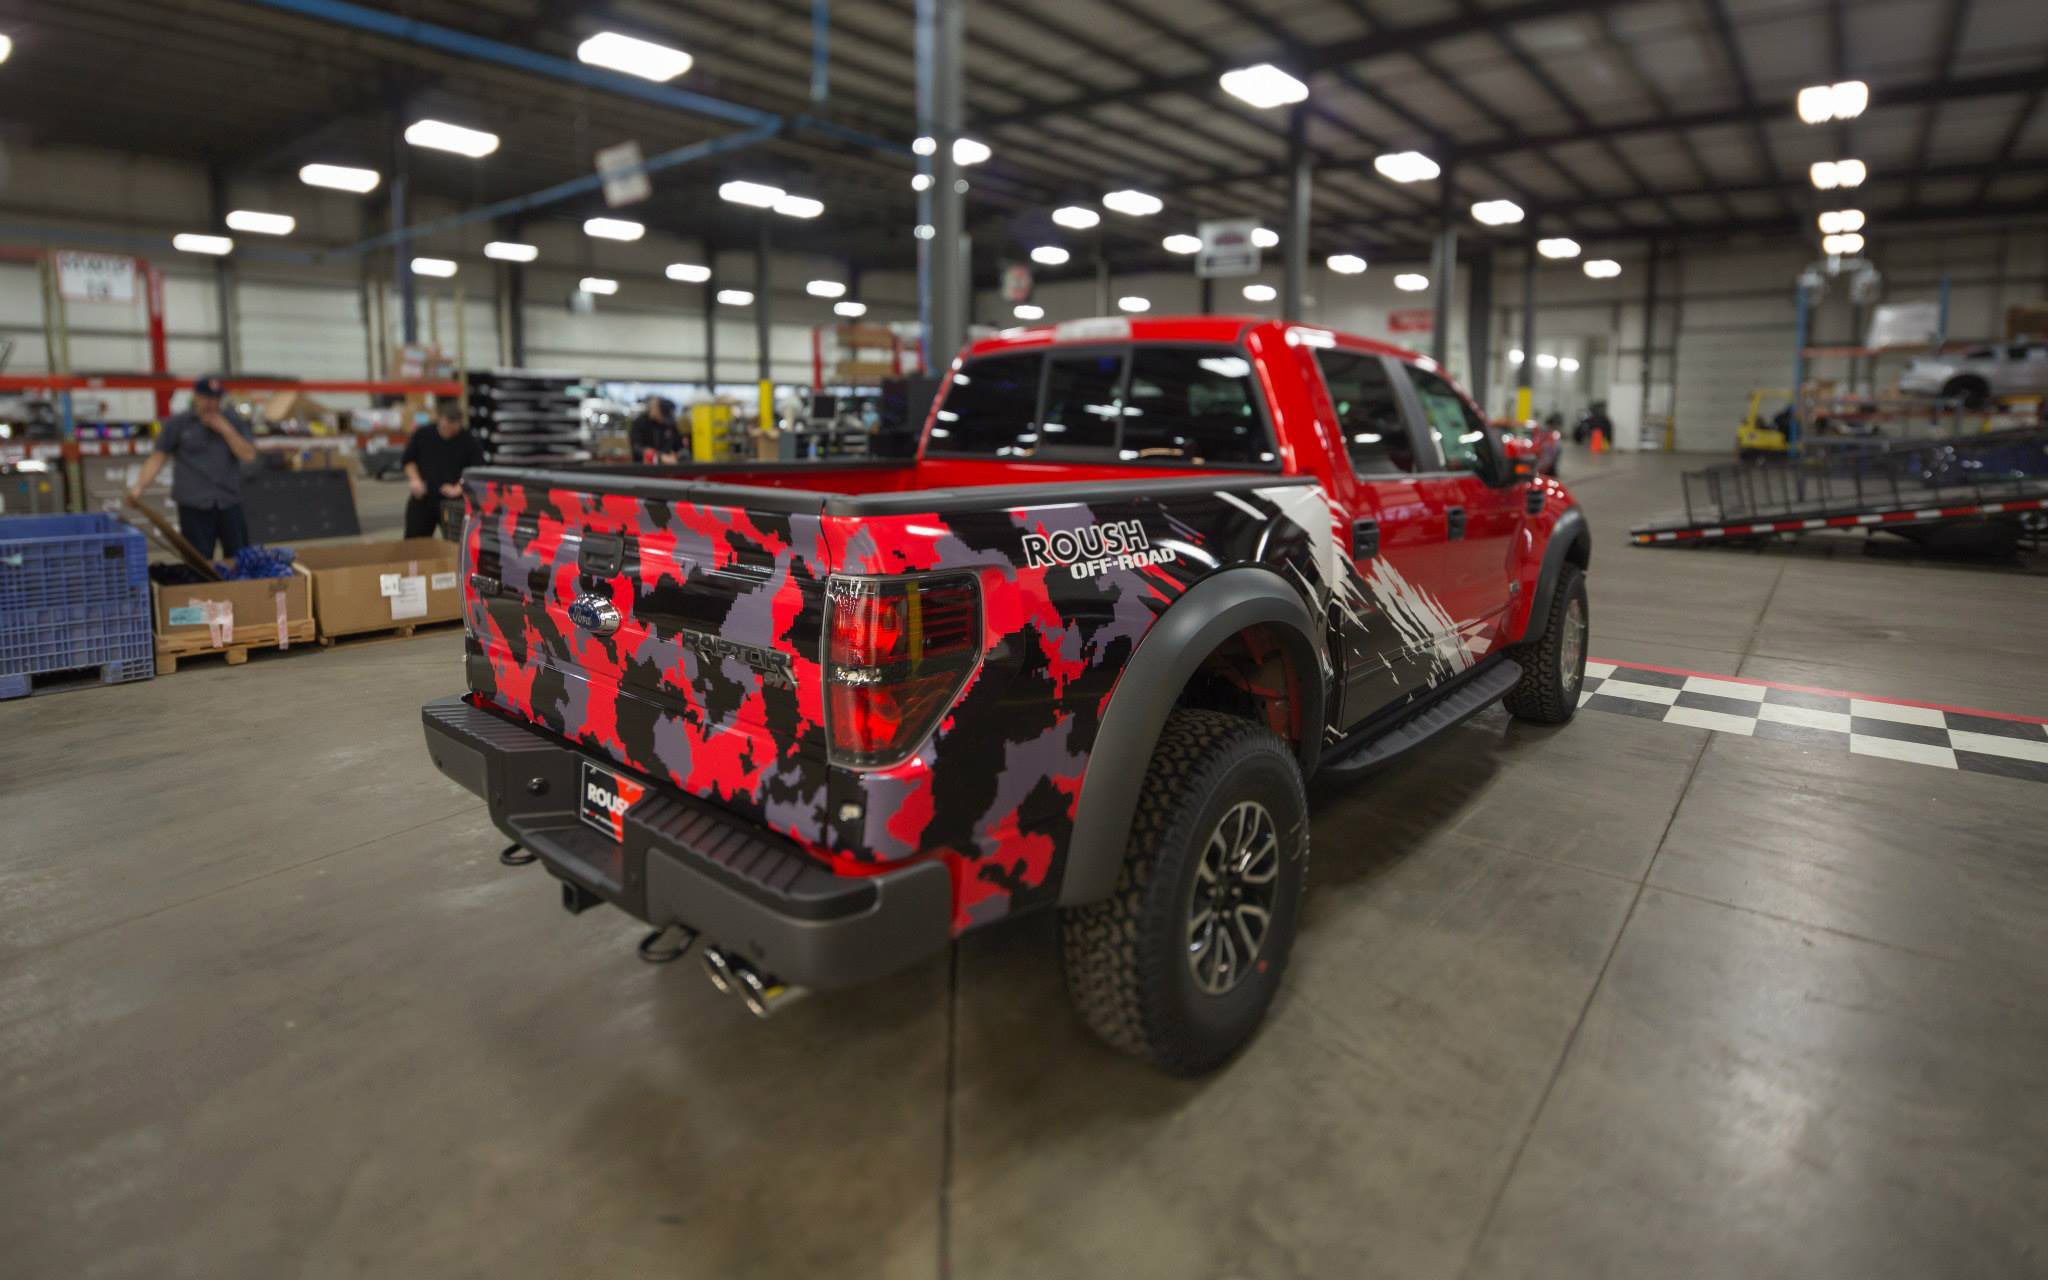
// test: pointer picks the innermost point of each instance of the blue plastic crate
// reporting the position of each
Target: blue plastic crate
(60, 570)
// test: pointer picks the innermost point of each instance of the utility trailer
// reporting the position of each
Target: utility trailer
(1998, 479)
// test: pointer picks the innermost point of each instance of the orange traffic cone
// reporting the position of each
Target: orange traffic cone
(1599, 441)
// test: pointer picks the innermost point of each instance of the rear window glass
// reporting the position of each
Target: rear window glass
(1186, 404)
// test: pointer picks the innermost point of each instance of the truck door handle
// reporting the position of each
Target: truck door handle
(1365, 538)
(1454, 523)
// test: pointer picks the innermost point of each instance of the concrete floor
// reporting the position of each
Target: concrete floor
(1621, 999)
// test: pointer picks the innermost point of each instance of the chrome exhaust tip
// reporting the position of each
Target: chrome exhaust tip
(761, 994)
(718, 968)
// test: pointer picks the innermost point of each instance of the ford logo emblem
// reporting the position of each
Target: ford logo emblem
(595, 614)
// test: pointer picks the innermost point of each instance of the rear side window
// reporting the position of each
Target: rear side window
(1457, 428)
(1368, 413)
(1186, 404)
(990, 406)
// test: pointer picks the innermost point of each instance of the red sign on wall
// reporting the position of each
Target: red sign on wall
(1413, 320)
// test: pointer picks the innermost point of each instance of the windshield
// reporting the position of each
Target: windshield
(1186, 404)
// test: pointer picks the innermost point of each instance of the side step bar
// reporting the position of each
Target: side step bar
(1460, 704)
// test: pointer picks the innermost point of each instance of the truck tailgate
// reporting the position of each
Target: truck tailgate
(706, 675)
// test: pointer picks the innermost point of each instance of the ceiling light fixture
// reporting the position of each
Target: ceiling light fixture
(920, 181)
(598, 284)
(967, 151)
(1602, 268)
(924, 146)
(439, 135)
(1182, 243)
(687, 273)
(1847, 244)
(1545, 360)
(798, 207)
(511, 251)
(1050, 255)
(849, 308)
(1497, 213)
(1515, 356)
(757, 194)
(1028, 311)
(1345, 264)
(825, 289)
(1076, 217)
(1260, 293)
(635, 57)
(735, 297)
(1265, 238)
(441, 268)
(1410, 282)
(613, 228)
(1568, 364)
(1132, 302)
(1132, 204)
(1844, 100)
(193, 242)
(340, 177)
(924, 231)
(1827, 175)
(1558, 247)
(262, 224)
(1406, 166)
(1837, 221)
(1263, 85)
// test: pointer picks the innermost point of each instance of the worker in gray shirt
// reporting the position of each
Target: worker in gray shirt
(210, 442)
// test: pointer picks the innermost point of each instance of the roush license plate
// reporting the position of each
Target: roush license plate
(605, 798)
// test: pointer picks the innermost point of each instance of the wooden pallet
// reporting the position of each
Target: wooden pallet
(396, 631)
(168, 656)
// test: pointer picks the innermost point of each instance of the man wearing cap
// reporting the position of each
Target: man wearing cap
(654, 436)
(210, 442)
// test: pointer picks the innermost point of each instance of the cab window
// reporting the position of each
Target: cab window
(1458, 429)
(1368, 412)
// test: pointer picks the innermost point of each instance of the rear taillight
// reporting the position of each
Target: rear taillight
(897, 653)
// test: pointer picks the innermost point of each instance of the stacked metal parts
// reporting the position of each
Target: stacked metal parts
(528, 415)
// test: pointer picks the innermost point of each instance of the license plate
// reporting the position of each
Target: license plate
(605, 797)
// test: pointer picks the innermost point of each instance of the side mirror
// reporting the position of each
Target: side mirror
(1510, 459)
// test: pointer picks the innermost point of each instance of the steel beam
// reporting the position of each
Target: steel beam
(1444, 273)
(1294, 248)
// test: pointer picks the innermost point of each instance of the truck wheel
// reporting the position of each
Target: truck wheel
(1554, 667)
(1975, 393)
(1179, 963)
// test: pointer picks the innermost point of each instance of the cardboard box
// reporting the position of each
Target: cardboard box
(374, 586)
(210, 615)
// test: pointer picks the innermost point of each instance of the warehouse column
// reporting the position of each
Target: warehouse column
(401, 250)
(1479, 329)
(1525, 406)
(940, 26)
(1649, 341)
(764, 280)
(711, 322)
(224, 277)
(1102, 305)
(1208, 296)
(1294, 248)
(1445, 272)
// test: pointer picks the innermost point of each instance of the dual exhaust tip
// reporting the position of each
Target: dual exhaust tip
(733, 976)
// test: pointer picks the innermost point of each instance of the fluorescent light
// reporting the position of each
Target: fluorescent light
(1182, 243)
(849, 308)
(1844, 100)
(1134, 204)
(1841, 220)
(263, 224)
(924, 231)
(511, 251)
(1850, 173)
(1602, 268)
(1263, 85)
(968, 151)
(1049, 255)
(598, 284)
(613, 228)
(193, 242)
(687, 273)
(1406, 166)
(1515, 356)
(1848, 244)
(643, 58)
(1345, 264)
(919, 181)
(1558, 247)
(758, 194)
(1497, 213)
(1076, 217)
(1132, 302)
(1264, 238)
(1546, 361)
(6, 47)
(1568, 364)
(825, 289)
(736, 297)
(1260, 293)
(798, 207)
(340, 177)
(439, 135)
(1028, 311)
(1410, 282)
(441, 267)
(924, 146)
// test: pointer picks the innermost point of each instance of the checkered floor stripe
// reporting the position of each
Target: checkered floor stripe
(1922, 733)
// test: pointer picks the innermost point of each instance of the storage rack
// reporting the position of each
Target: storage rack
(528, 415)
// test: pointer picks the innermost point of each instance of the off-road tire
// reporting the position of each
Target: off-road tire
(1974, 392)
(1547, 693)
(1126, 958)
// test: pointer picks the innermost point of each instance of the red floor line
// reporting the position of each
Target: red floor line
(1832, 693)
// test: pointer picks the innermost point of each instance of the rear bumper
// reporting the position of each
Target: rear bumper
(686, 862)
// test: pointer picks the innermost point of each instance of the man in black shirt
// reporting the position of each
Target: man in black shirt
(654, 436)
(435, 459)
(210, 442)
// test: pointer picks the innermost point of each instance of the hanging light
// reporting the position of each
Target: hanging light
(1182, 243)
(439, 267)
(1132, 302)
(1263, 85)
(613, 228)
(1406, 166)
(1558, 247)
(1260, 293)
(598, 284)
(1075, 217)
(439, 135)
(340, 177)
(687, 273)
(1133, 204)
(1345, 264)
(1411, 282)
(1497, 213)
(1602, 268)
(643, 58)
(1049, 255)
(511, 251)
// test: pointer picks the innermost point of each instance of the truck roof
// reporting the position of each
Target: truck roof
(1229, 329)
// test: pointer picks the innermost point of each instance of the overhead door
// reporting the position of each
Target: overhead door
(1726, 350)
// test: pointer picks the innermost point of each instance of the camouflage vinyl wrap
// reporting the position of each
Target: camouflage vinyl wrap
(712, 682)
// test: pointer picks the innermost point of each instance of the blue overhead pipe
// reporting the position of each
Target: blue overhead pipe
(821, 44)
(448, 40)
(574, 187)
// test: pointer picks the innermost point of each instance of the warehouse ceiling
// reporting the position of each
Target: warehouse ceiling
(1603, 121)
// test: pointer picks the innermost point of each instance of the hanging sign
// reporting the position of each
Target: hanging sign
(1016, 283)
(625, 181)
(1227, 249)
(95, 277)
(1411, 320)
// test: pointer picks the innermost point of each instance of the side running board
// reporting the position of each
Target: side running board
(1449, 710)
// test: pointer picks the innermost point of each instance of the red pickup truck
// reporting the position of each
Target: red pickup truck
(1144, 577)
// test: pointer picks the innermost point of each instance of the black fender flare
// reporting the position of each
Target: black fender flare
(1568, 533)
(1209, 613)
